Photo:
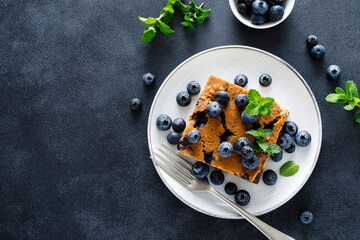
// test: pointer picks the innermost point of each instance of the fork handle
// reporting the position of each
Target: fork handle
(267, 230)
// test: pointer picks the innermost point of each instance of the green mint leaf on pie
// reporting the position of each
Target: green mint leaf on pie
(254, 96)
(252, 109)
(164, 28)
(273, 148)
(267, 132)
(336, 98)
(264, 111)
(339, 90)
(263, 145)
(266, 102)
(148, 34)
(357, 116)
(149, 20)
(257, 148)
(254, 133)
(350, 106)
(258, 105)
(289, 169)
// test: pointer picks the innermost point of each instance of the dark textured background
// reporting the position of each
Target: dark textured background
(74, 158)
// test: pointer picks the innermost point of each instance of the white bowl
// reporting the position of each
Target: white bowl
(289, 5)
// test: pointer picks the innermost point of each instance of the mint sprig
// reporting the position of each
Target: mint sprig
(350, 97)
(258, 105)
(261, 145)
(289, 169)
(191, 12)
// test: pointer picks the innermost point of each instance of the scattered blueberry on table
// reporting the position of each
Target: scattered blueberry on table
(291, 149)
(222, 96)
(178, 125)
(318, 52)
(217, 177)
(214, 109)
(277, 157)
(239, 143)
(230, 188)
(303, 138)
(265, 80)
(163, 122)
(284, 141)
(225, 149)
(194, 136)
(248, 119)
(312, 40)
(183, 98)
(148, 79)
(241, 79)
(173, 138)
(200, 170)
(269, 177)
(193, 88)
(333, 72)
(242, 197)
(306, 217)
(290, 128)
(251, 163)
(241, 100)
(135, 104)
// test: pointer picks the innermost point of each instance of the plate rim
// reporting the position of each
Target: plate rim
(256, 50)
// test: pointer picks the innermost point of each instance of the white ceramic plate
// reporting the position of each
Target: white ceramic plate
(288, 88)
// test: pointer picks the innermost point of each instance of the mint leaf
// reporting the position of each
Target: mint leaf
(199, 19)
(172, 1)
(254, 133)
(264, 111)
(267, 132)
(254, 96)
(204, 13)
(188, 24)
(148, 34)
(357, 116)
(257, 148)
(339, 90)
(336, 98)
(273, 148)
(357, 100)
(189, 17)
(267, 102)
(350, 106)
(263, 145)
(183, 7)
(167, 18)
(349, 85)
(289, 169)
(252, 109)
(168, 8)
(149, 20)
(164, 28)
(354, 91)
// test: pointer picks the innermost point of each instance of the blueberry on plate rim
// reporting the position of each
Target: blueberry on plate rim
(222, 96)
(193, 88)
(333, 72)
(225, 149)
(200, 170)
(303, 138)
(306, 217)
(194, 136)
(135, 104)
(269, 177)
(217, 177)
(241, 80)
(178, 125)
(183, 98)
(251, 163)
(163, 122)
(173, 138)
(265, 80)
(214, 109)
(230, 188)
(291, 149)
(148, 79)
(242, 197)
(290, 128)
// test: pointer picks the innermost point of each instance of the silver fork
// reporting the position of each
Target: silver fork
(180, 170)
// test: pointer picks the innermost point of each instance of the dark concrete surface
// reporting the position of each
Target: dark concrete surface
(74, 158)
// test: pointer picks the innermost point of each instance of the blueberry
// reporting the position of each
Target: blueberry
(193, 88)
(269, 177)
(135, 104)
(318, 51)
(148, 78)
(311, 40)
(277, 156)
(265, 80)
(230, 188)
(303, 138)
(217, 177)
(242, 197)
(163, 122)
(251, 163)
(291, 149)
(194, 136)
(200, 170)
(247, 152)
(241, 80)
(214, 109)
(284, 141)
(248, 119)
(183, 98)
(178, 125)
(173, 137)
(239, 143)
(241, 100)
(248, 2)
(225, 149)
(290, 128)
(280, 2)
(260, 7)
(242, 8)
(276, 13)
(306, 217)
(257, 19)
(222, 96)
(333, 72)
